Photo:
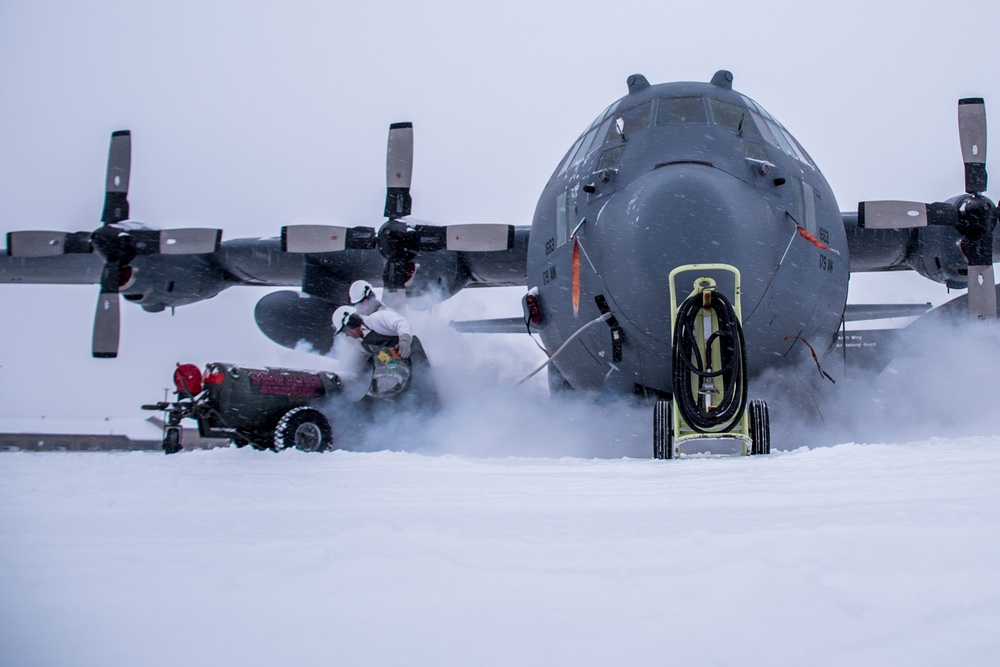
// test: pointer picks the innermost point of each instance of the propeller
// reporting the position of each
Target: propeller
(973, 214)
(118, 241)
(399, 242)
(114, 245)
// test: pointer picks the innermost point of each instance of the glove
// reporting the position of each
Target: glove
(404, 346)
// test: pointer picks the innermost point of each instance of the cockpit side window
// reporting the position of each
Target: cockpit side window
(755, 151)
(610, 158)
(681, 111)
(585, 145)
(762, 126)
(775, 134)
(783, 141)
(603, 132)
(604, 115)
(569, 156)
(802, 152)
(591, 139)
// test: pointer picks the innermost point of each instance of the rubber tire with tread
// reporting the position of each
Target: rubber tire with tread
(304, 428)
(663, 431)
(760, 427)
(172, 440)
(557, 383)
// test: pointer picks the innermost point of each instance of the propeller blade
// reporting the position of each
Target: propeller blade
(982, 293)
(972, 135)
(107, 318)
(397, 272)
(47, 243)
(189, 241)
(36, 244)
(313, 238)
(180, 241)
(464, 238)
(107, 324)
(480, 238)
(905, 214)
(326, 238)
(116, 185)
(430, 238)
(399, 171)
(892, 214)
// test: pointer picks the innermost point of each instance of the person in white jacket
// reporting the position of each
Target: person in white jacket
(379, 318)
(381, 335)
(377, 327)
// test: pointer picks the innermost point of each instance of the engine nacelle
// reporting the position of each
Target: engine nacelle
(291, 319)
(936, 254)
(437, 276)
(162, 281)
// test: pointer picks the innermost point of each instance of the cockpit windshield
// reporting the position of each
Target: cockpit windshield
(749, 120)
(681, 111)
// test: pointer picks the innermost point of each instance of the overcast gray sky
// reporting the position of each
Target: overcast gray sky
(248, 116)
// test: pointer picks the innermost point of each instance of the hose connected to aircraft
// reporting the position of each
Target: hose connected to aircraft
(690, 366)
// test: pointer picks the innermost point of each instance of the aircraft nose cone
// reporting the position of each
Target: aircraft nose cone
(683, 214)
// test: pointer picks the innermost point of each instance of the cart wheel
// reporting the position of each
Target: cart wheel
(663, 431)
(172, 440)
(306, 429)
(760, 427)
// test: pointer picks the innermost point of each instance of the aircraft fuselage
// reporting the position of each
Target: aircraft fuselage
(676, 174)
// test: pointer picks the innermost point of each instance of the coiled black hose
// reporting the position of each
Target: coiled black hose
(689, 363)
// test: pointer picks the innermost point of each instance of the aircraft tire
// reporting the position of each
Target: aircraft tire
(304, 428)
(760, 427)
(663, 433)
(557, 383)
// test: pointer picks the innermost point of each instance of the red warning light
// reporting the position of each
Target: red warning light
(187, 379)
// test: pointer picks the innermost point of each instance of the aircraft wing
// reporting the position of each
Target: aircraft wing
(503, 268)
(933, 250)
(876, 249)
(159, 279)
(165, 268)
(856, 312)
(502, 325)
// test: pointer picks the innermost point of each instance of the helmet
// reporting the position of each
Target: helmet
(359, 291)
(342, 316)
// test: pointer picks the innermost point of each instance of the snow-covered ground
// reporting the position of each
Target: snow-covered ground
(856, 554)
(514, 529)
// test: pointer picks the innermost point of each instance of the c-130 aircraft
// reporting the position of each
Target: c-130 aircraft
(669, 175)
